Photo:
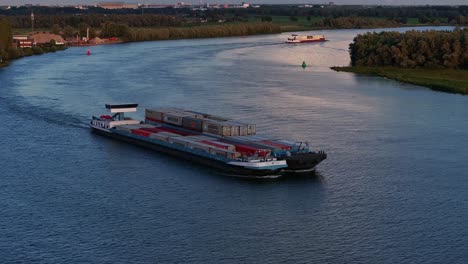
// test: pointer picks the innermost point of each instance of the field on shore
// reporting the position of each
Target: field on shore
(446, 80)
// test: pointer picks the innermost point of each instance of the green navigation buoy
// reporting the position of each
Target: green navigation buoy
(304, 64)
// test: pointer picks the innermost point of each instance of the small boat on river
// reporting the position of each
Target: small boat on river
(304, 39)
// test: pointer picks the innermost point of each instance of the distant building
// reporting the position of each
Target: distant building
(46, 37)
(28, 41)
(117, 5)
(182, 5)
(22, 41)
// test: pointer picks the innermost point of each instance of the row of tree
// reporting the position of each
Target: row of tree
(5, 40)
(46, 17)
(428, 49)
(272, 10)
(357, 22)
(132, 34)
(94, 20)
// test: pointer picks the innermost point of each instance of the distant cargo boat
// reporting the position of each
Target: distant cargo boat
(228, 145)
(303, 39)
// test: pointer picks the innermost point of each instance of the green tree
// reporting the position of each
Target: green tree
(56, 29)
(6, 37)
(68, 32)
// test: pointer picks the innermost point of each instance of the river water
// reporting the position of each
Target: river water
(393, 190)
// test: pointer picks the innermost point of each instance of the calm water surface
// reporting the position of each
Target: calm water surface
(393, 190)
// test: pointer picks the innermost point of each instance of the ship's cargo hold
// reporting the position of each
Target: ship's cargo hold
(146, 126)
(183, 141)
(149, 119)
(200, 138)
(192, 123)
(167, 129)
(219, 144)
(179, 132)
(265, 145)
(249, 150)
(127, 128)
(199, 146)
(224, 153)
(141, 132)
(164, 136)
(154, 130)
(216, 128)
(275, 144)
(287, 142)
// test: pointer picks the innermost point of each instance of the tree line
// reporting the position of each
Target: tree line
(46, 17)
(357, 22)
(5, 39)
(412, 49)
(94, 20)
(209, 31)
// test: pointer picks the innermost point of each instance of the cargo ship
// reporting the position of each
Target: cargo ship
(304, 39)
(222, 143)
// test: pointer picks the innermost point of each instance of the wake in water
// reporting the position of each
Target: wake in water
(20, 106)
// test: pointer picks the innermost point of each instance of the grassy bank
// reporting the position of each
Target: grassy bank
(445, 80)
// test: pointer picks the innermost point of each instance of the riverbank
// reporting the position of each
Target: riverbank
(444, 80)
(26, 52)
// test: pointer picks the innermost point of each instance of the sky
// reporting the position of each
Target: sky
(337, 2)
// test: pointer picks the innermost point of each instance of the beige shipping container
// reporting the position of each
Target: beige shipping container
(251, 129)
(154, 114)
(217, 128)
(224, 153)
(173, 118)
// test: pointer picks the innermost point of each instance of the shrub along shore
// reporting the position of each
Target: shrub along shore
(435, 59)
(444, 80)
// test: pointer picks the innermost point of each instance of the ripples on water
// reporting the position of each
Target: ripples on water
(393, 189)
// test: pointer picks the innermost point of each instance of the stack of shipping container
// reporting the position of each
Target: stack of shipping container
(252, 146)
(199, 122)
